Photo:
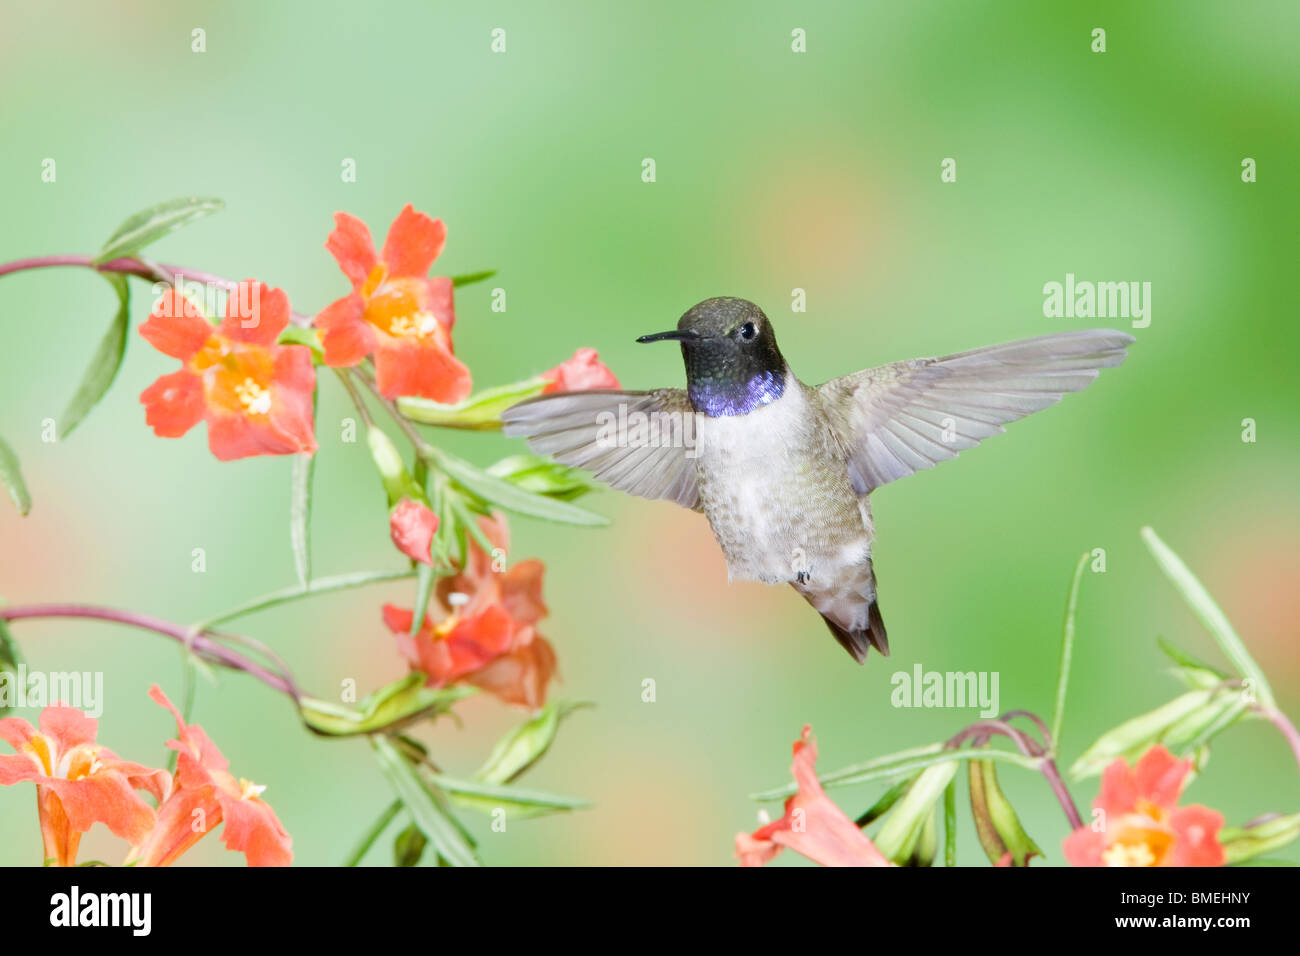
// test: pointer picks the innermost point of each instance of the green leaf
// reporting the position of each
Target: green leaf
(523, 746)
(304, 466)
(1248, 842)
(506, 495)
(425, 579)
(470, 278)
(898, 764)
(338, 582)
(543, 476)
(1204, 607)
(887, 800)
(1189, 670)
(950, 823)
(372, 833)
(424, 805)
(409, 846)
(996, 822)
(480, 412)
(905, 824)
(1176, 724)
(103, 367)
(400, 703)
(10, 658)
(150, 225)
(1067, 653)
(12, 476)
(488, 798)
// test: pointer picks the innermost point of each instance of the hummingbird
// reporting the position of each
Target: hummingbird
(784, 471)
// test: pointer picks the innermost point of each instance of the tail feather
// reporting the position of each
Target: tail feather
(848, 605)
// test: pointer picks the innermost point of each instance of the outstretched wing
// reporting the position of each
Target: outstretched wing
(897, 419)
(638, 442)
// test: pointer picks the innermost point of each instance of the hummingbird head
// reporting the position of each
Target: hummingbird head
(732, 362)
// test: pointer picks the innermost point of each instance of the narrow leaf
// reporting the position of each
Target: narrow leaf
(372, 833)
(480, 412)
(469, 278)
(103, 367)
(423, 805)
(513, 498)
(150, 225)
(1204, 607)
(489, 797)
(10, 658)
(12, 476)
(1067, 653)
(523, 746)
(304, 466)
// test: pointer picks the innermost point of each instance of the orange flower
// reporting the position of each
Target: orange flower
(395, 311)
(256, 396)
(78, 783)
(1143, 824)
(489, 637)
(584, 371)
(204, 796)
(812, 826)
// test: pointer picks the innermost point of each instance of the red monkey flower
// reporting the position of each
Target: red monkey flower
(206, 794)
(395, 311)
(1142, 823)
(584, 371)
(812, 826)
(489, 638)
(256, 396)
(78, 783)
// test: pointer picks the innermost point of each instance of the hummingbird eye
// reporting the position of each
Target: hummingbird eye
(747, 331)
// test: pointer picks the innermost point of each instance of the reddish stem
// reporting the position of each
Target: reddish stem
(158, 272)
(200, 641)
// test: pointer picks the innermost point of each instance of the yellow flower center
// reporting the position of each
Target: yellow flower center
(413, 326)
(249, 790)
(253, 396)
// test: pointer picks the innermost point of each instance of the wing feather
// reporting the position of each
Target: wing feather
(898, 419)
(575, 428)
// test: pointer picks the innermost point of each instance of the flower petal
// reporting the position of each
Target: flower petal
(176, 326)
(813, 825)
(1197, 829)
(345, 336)
(351, 246)
(583, 371)
(255, 313)
(174, 404)
(521, 592)
(67, 727)
(424, 368)
(293, 387)
(105, 797)
(1159, 777)
(520, 677)
(253, 829)
(1118, 794)
(414, 242)
(1084, 846)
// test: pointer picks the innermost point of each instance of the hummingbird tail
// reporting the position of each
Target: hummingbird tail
(851, 611)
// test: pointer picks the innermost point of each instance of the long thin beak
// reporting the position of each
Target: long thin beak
(676, 335)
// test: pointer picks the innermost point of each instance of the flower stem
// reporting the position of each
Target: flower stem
(200, 641)
(140, 268)
(1283, 723)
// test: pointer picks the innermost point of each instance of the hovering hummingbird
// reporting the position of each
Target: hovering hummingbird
(782, 470)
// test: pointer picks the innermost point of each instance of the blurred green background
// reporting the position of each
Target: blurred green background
(775, 171)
